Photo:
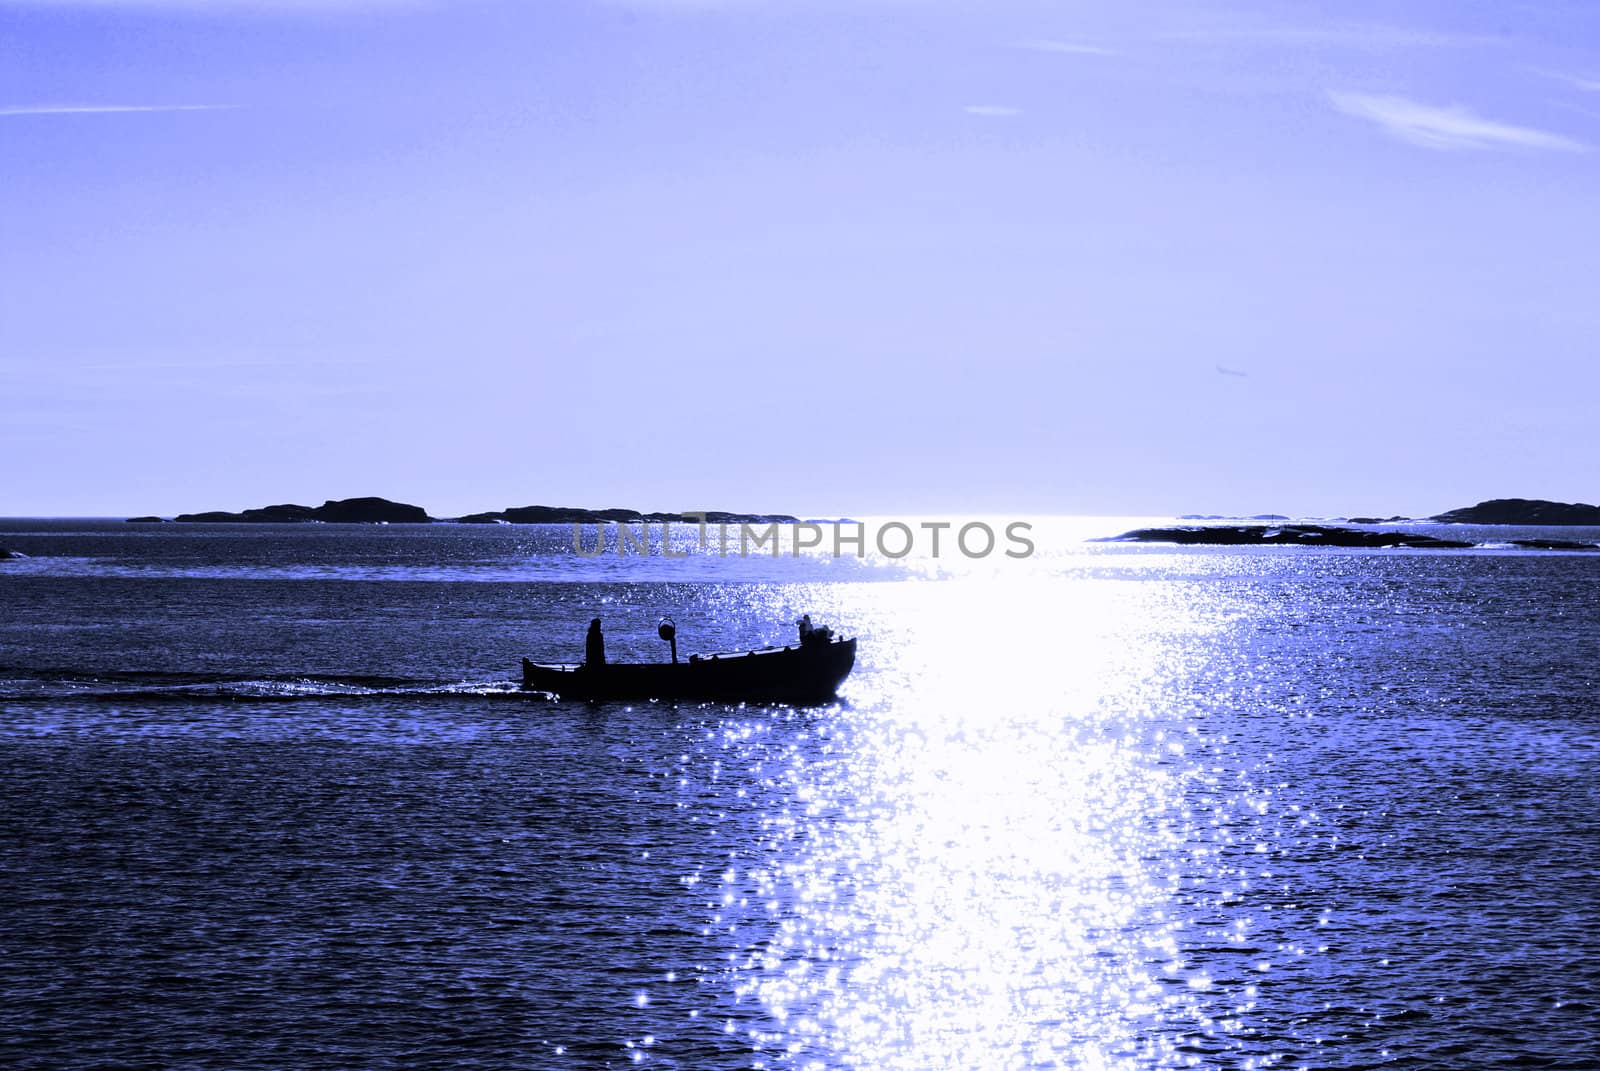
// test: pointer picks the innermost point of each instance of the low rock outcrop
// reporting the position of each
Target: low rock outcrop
(1231, 517)
(383, 511)
(578, 515)
(1554, 544)
(1294, 535)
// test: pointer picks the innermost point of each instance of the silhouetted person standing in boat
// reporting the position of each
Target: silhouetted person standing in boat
(594, 645)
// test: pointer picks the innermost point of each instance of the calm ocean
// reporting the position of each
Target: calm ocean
(269, 798)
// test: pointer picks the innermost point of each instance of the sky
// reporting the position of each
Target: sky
(865, 257)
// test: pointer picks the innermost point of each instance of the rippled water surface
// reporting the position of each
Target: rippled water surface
(271, 799)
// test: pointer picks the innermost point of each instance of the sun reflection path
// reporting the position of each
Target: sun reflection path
(977, 872)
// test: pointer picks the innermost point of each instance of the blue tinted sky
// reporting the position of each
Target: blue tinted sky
(873, 256)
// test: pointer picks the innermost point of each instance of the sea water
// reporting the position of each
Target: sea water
(272, 799)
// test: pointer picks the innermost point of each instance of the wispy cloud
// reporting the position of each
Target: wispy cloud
(108, 109)
(140, 367)
(1446, 128)
(1356, 36)
(992, 111)
(1575, 81)
(1067, 48)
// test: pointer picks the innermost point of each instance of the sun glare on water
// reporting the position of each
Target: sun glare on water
(971, 866)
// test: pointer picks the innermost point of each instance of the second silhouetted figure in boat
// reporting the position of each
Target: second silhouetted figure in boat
(810, 634)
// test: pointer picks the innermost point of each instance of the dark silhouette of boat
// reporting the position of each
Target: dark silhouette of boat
(803, 674)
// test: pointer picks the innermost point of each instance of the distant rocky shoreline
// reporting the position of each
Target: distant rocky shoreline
(383, 511)
(1265, 529)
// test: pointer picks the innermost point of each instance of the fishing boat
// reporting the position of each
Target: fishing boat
(802, 674)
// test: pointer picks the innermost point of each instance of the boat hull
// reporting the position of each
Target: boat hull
(802, 675)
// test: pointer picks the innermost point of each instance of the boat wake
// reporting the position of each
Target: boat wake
(19, 684)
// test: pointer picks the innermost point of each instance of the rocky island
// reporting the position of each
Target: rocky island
(1526, 511)
(341, 511)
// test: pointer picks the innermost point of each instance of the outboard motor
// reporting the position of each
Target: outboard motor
(669, 632)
